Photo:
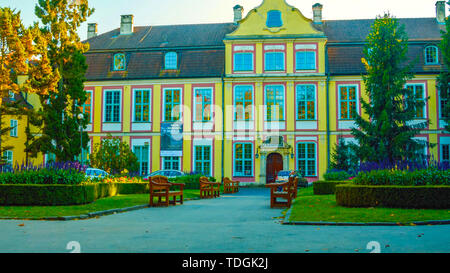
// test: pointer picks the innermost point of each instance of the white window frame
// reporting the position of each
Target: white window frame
(9, 157)
(339, 100)
(436, 61)
(120, 105)
(272, 70)
(163, 111)
(297, 101)
(252, 61)
(91, 105)
(164, 163)
(211, 105)
(425, 92)
(14, 124)
(306, 164)
(210, 157)
(235, 174)
(135, 90)
(266, 106)
(171, 54)
(252, 118)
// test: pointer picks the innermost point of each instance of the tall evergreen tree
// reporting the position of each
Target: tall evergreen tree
(58, 117)
(388, 132)
(444, 77)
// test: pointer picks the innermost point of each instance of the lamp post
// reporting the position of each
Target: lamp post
(80, 118)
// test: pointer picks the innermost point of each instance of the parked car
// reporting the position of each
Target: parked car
(166, 173)
(96, 173)
(283, 176)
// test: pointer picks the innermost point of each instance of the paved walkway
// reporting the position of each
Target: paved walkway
(238, 223)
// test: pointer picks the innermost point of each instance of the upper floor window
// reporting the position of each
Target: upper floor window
(243, 101)
(306, 102)
(348, 102)
(171, 60)
(142, 105)
(274, 61)
(275, 103)
(119, 62)
(86, 108)
(274, 19)
(172, 105)
(112, 106)
(203, 100)
(419, 95)
(243, 61)
(305, 60)
(431, 55)
(14, 124)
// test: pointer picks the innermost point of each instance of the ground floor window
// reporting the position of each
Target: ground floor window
(306, 156)
(142, 153)
(243, 159)
(171, 163)
(203, 160)
(445, 150)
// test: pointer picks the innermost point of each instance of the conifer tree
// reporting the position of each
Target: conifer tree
(444, 77)
(388, 132)
(58, 117)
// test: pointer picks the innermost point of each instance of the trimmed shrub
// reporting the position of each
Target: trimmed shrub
(43, 177)
(191, 182)
(64, 195)
(413, 197)
(335, 175)
(326, 187)
(426, 177)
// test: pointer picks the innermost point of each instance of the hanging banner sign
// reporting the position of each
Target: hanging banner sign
(172, 139)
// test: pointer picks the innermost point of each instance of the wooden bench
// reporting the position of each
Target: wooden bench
(209, 189)
(286, 191)
(230, 186)
(161, 187)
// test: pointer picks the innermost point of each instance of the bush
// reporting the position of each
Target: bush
(303, 182)
(191, 182)
(413, 197)
(65, 195)
(336, 175)
(43, 177)
(404, 178)
(326, 187)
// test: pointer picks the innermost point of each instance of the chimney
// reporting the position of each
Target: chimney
(238, 10)
(126, 24)
(440, 12)
(317, 11)
(92, 30)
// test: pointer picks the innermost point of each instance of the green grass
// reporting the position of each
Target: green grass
(117, 202)
(316, 208)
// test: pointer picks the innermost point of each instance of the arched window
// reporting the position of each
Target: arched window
(119, 62)
(171, 60)
(274, 19)
(431, 55)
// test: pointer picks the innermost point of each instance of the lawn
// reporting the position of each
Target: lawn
(323, 208)
(117, 202)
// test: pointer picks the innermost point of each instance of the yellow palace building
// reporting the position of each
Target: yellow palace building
(270, 91)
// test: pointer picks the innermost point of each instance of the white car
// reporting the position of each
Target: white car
(96, 173)
(166, 173)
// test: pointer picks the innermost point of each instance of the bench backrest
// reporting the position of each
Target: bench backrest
(160, 180)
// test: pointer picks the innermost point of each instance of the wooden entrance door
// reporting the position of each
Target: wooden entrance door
(274, 165)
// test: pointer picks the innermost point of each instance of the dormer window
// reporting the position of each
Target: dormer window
(274, 19)
(171, 60)
(119, 62)
(431, 55)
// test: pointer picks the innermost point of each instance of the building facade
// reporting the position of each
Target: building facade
(274, 90)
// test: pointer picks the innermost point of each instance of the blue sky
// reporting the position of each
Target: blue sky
(164, 12)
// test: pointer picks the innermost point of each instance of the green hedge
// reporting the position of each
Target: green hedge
(426, 177)
(414, 197)
(64, 195)
(326, 187)
(43, 177)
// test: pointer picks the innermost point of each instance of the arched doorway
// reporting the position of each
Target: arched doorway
(273, 166)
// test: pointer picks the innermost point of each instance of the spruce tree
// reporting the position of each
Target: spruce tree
(388, 132)
(444, 77)
(58, 117)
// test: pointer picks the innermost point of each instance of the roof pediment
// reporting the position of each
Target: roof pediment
(277, 19)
